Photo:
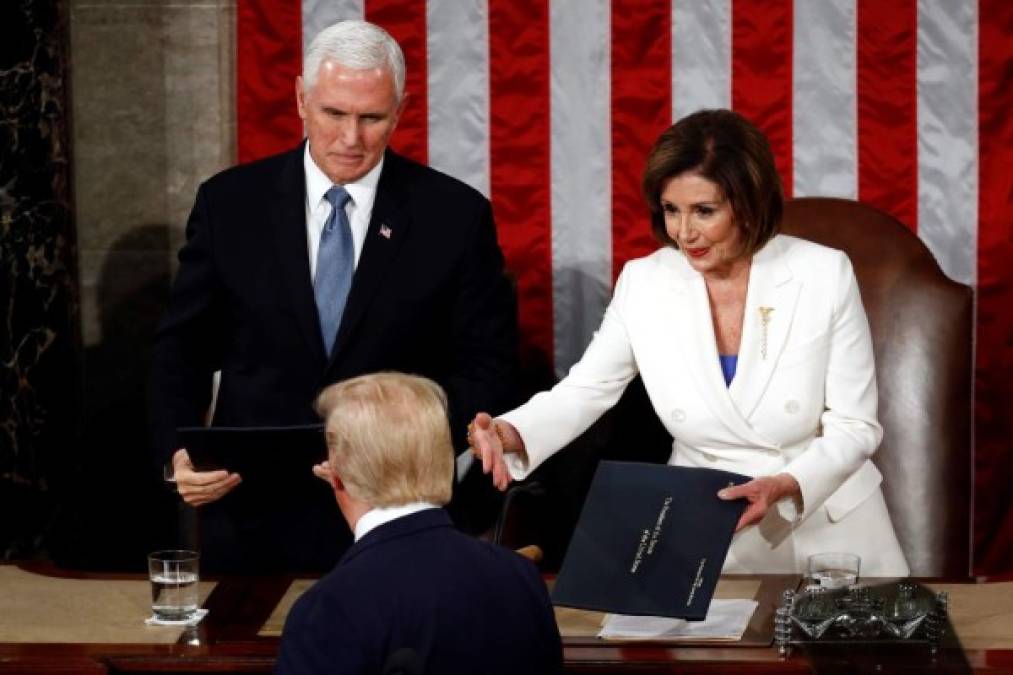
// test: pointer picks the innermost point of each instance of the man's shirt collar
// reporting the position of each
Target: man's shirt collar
(362, 191)
(376, 517)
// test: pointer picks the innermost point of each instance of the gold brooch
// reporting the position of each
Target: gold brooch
(764, 321)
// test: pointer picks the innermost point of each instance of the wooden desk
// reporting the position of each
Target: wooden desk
(228, 641)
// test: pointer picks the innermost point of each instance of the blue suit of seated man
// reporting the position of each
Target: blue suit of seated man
(412, 595)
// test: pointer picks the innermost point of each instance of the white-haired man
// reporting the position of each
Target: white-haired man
(411, 589)
(337, 258)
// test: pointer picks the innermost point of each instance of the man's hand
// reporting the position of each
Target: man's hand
(200, 487)
(762, 492)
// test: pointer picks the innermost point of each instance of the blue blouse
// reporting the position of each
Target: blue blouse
(728, 363)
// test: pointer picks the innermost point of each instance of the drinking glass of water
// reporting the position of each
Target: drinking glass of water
(174, 579)
(834, 570)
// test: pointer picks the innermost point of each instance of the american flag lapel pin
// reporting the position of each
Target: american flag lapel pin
(385, 231)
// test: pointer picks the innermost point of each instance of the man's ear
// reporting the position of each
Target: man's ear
(400, 108)
(300, 97)
(336, 483)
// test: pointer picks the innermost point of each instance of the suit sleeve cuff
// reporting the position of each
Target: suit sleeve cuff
(521, 464)
(791, 508)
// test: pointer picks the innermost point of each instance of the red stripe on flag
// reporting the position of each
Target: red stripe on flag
(887, 46)
(993, 523)
(520, 161)
(406, 22)
(268, 59)
(641, 110)
(762, 74)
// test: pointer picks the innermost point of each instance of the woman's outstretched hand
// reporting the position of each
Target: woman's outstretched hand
(489, 440)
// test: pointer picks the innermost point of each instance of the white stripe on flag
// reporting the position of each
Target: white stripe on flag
(947, 134)
(701, 55)
(457, 44)
(824, 106)
(319, 14)
(579, 45)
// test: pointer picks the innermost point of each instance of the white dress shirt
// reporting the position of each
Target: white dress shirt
(374, 518)
(359, 208)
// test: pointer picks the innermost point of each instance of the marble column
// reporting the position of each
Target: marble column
(152, 110)
(40, 338)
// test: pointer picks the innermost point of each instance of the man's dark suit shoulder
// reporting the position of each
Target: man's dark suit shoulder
(389, 548)
(265, 169)
(418, 583)
(421, 181)
(396, 551)
(434, 184)
(242, 195)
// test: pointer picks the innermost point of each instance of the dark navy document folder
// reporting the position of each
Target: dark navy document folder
(651, 540)
(266, 457)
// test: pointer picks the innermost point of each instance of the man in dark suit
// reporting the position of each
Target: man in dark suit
(411, 588)
(334, 259)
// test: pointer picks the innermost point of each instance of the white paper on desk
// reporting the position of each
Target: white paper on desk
(726, 620)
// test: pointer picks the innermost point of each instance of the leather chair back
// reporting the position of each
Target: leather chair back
(921, 324)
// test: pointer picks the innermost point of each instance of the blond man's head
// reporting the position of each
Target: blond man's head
(388, 439)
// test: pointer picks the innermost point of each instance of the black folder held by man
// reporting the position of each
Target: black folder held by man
(268, 458)
(281, 517)
(651, 540)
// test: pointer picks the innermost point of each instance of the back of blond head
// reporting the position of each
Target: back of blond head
(388, 438)
(359, 45)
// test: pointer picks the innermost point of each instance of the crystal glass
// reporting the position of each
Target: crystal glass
(897, 611)
(174, 579)
(834, 570)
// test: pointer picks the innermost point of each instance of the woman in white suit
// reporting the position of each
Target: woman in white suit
(754, 349)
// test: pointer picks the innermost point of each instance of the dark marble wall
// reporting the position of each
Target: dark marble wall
(40, 339)
(143, 92)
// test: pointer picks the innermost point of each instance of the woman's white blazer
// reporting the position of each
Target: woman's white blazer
(803, 399)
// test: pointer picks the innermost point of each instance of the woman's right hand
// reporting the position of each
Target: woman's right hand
(489, 440)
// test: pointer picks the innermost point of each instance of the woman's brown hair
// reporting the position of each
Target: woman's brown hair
(726, 149)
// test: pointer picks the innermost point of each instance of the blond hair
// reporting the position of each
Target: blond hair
(388, 438)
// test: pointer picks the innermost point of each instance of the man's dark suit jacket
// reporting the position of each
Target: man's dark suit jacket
(428, 297)
(462, 605)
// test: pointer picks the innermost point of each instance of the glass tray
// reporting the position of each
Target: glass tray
(901, 612)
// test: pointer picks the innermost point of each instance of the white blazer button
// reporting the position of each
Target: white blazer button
(678, 415)
(791, 406)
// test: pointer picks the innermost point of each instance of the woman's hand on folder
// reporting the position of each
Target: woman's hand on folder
(762, 493)
(200, 487)
(489, 440)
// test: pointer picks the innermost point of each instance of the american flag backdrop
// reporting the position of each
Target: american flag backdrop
(549, 107)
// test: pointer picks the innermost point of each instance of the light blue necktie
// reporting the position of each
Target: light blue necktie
(335, 262)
